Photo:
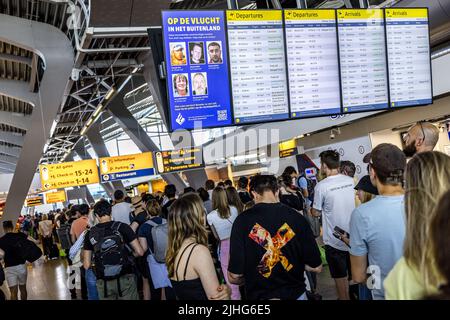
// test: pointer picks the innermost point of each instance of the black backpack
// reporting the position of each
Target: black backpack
(110, 252)
(64, 236)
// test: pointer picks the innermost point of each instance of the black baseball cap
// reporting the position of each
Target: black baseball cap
(366, 158)
(366, 185)
(388, 160)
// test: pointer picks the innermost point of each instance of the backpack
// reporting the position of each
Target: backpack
(160, 236)
(64, 236)
(110, 252)
(311, 184)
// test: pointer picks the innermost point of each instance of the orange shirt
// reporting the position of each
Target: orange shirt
(79, 225)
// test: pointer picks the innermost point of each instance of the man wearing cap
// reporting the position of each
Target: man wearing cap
(177, 57)
(377, 228)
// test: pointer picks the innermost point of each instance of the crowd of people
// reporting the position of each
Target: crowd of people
(383, 237)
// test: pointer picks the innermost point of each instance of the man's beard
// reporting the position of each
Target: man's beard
(410, 150)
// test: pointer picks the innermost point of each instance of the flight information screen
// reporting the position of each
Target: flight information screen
(313, 62)
(362, 48)
(408, 45)
(258, 65)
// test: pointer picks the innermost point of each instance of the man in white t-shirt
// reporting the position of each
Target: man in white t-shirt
(121, 210)
(334, 200)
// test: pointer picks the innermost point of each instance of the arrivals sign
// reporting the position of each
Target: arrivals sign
(408, 45)
(197, 69)
(34, 201)
(68, 174)
(288, 148)
(126, 167)
(179, 160)
(55, 197)
(362, 48)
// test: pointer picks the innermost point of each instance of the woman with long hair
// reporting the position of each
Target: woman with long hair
(46, 232)
(221, 221)
(440, 238)
(415, 274)
(234, 200)
(189, 263)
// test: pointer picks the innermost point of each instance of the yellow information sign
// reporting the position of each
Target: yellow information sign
(126, 167)
(68, 174)
(288, 148)
(296, 14)
(253, 15)
(350, 14)
(406, 13)
(55, 197)
(34, 201)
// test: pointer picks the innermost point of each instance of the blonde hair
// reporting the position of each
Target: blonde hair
(366, 196)
(186, 219)
(220, 203)
(44, 217)
(427, 179)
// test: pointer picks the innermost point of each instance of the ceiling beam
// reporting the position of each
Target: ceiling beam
(14, 58)
(18, 120)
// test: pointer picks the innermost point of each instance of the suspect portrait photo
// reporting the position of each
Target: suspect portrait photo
(177, 53)
(196, 52)
(199, 84)
(180, 85)
(214, 49)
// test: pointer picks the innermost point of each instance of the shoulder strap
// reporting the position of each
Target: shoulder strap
(187, 261)
(181, 256)
(152, 223)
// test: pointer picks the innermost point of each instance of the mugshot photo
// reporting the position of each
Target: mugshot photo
(180, 85)
(199, 84)
(177, 53)
(214, 49)
(196, 52)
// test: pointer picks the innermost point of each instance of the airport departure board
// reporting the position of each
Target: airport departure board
(408, 45)
(313, 62)
(258, 65)
(363, 58)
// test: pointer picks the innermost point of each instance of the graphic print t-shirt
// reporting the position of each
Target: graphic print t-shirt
(270, 245)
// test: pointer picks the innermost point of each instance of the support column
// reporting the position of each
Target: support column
(98, 144)
(52, 45)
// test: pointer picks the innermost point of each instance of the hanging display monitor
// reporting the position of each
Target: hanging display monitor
(408, 44)
(126, 167)
(34, 201)
(313, 62)
(363, 58)
(258, 65)
(197, 69)
(68, 174)
(179, 160)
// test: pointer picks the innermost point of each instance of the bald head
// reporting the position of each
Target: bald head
(421, 137)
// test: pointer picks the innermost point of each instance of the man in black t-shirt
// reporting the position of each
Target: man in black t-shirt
(271, 247)
(107, 241)
(170, 192)
(15, 267)
(242, 190)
